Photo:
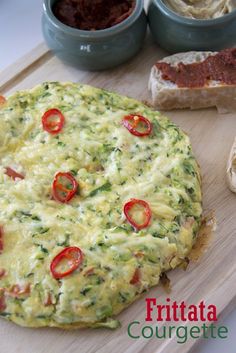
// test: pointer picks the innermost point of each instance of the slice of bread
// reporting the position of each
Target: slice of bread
(166, 95)
(231, 168)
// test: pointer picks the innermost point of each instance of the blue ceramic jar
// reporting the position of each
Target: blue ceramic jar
(95, 50)
(176, 33)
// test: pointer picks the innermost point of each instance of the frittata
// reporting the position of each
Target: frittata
(99, 195)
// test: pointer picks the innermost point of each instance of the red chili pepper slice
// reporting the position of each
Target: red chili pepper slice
(53, 121)
(13, 174)
(64, 187)
(2, 272)
(2, 100)
(48, 300)
(129, 206)
(133, 121)
(136, 277)
(1, 238)
(73, 257)
(16, 290)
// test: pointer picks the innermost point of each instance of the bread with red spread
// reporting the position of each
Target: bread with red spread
(178, 82)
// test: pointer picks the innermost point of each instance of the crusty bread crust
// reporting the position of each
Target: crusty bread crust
(231, 168)
(166, 95)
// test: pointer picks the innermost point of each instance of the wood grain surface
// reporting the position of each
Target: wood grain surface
(212, 279)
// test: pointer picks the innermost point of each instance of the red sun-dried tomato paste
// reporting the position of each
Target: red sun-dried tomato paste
(220, 67)
(93, 14)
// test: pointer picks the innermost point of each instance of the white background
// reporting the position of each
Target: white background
(20, 31)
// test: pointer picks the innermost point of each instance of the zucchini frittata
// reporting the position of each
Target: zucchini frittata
(99, 195)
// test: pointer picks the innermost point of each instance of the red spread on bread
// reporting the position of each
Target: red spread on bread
(93, 14)
(217, 67)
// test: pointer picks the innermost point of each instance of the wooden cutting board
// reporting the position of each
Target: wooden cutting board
(213, 279)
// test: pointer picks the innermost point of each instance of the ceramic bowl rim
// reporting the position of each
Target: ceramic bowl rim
(192, 21)
(47, 10)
